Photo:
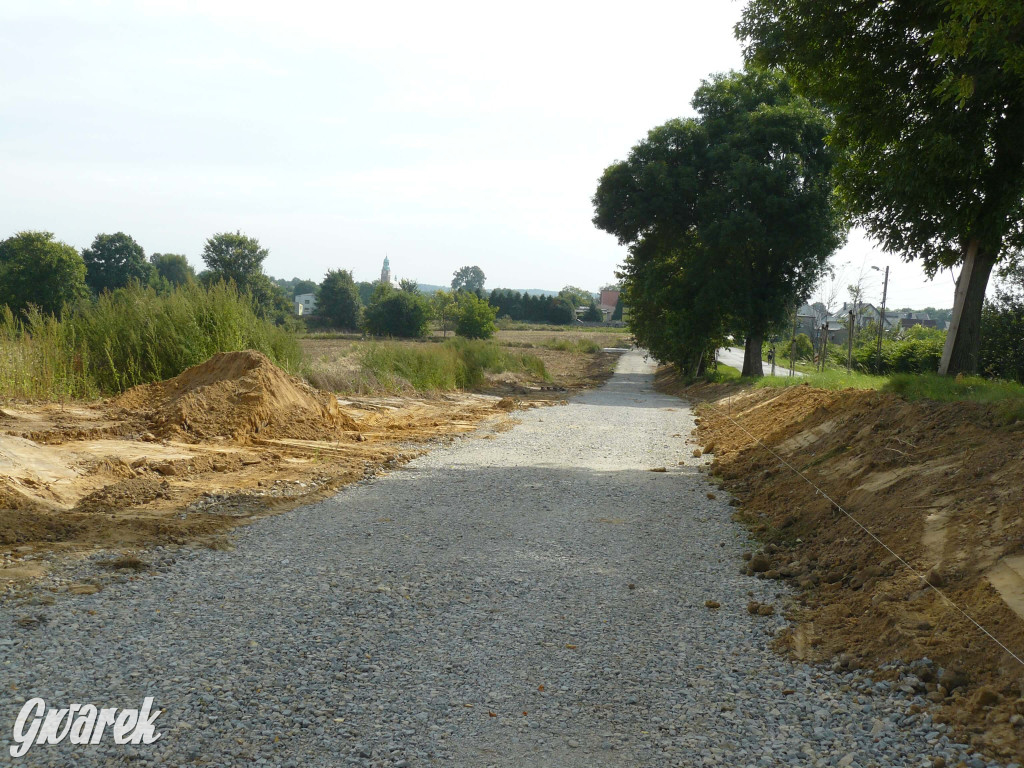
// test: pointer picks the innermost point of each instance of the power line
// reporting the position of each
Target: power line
(877, 540)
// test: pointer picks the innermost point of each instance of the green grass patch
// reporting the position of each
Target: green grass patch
(828, 379)
(1007, 395)
(723, 374)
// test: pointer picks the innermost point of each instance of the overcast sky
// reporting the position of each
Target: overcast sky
(441, 134)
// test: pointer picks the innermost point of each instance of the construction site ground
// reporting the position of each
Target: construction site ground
(819, 474)
(184, 461)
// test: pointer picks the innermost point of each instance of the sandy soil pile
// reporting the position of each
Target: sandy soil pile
(238, 395)
(942, 484)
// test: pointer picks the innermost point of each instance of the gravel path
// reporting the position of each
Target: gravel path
(533, 599)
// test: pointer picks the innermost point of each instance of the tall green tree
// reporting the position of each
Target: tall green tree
(729, 217)
(928, 99)
(173, 267)
(577, 296)
(113, 261)
(444, 309)
(37, 270)
(339, 299)
(235, 257)
(468, 279)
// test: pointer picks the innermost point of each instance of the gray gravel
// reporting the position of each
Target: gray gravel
(533, 599)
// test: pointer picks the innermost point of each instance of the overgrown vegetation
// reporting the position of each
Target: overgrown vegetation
(1002, 327)
(397, 367)
(929, 386)
(913, 350)
(131, 336)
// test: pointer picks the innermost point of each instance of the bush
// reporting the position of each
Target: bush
(475, 317)
(132, 336)
(397, 313)
(1002, 336)
(803, 348)
(915, 350)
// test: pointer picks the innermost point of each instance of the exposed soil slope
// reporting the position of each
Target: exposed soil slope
(941, 484)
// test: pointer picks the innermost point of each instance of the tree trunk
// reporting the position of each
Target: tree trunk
(752, 364)
(963, 341)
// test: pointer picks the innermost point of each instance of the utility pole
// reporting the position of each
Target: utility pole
(824, 343)
(849, 342)
(881, 320)
(792, 344)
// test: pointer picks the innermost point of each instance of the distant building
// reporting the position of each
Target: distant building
(305, 304)
(607, 303)
(910, 319)
(385, 272)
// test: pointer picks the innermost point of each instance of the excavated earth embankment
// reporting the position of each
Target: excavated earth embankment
(940, 484)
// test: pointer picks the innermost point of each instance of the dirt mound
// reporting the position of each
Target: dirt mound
(133, 492)
(238, 395)
(942, 484)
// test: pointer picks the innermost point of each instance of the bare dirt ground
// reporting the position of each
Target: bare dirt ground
(222, 444)
(942, 484)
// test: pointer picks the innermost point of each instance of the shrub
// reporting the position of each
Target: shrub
(475, 318)
(397, 313)
(804, 349)
(1002, 335)
(915, 350)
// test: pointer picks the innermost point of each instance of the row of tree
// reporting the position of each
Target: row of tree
(38, 270)
(917, 140)
(404, 311)
(728, 217)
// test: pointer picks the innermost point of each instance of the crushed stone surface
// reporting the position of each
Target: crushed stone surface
(542, 598)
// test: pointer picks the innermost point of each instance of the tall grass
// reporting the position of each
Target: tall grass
(396, 367)
(131, 336)
(577, 345)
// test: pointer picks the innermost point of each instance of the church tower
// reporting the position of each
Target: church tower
(385, 273)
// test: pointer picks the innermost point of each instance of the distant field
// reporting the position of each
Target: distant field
(570, 358)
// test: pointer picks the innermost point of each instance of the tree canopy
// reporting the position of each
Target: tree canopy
(397, 313)
(728, 217)
(576, 296)
(444, 308)
(37, 270)
(173, 267)
(235, 257)
(113, 261)
(928, 100)
(475, 318)
(468, 279)
(339, 299)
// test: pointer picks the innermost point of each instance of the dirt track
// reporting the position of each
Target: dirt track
(567, 593)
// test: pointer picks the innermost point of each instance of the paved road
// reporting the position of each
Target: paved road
(535, 597)
(734, 356)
